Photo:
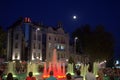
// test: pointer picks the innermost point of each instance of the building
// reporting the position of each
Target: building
(33, 41)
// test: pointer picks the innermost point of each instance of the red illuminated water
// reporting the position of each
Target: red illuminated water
(57, 67)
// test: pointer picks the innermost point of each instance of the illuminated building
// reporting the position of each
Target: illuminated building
(33, 41)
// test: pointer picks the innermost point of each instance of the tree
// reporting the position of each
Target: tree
(71, 60)
(103, 43)
(110, 63)
(2, 42)
(98, 44)
(84, 35)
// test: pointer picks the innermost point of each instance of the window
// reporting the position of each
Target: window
(62, 47)
(39, 37)
(49, 38)
(55, 38)
(49, 54)
(58, 46)
(16, 37)
(55, 46)
(16, 55)
(34, 45)
(63, 41)
(34, 37)
(34, 55)
(49, 45)
(39, 46)
(58, 40)
(16, 45)
(39, 55)
(61, 55)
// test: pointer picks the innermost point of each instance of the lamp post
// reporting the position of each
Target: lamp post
(75, 44)
(36, 41)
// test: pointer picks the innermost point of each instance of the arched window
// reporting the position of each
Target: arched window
(16, 55)
(39, 37)
(49, 38)
(39, 46)
(34, 45)
(34, 55)
(16, 45)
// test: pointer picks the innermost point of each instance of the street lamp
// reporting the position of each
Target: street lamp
(75, 44)
(36, 35)
(36, 39)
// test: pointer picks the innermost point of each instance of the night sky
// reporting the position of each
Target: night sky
(50, 12)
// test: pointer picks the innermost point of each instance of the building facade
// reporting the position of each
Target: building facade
(34, 41)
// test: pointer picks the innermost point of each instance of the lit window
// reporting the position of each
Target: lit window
(58, 46)
(16, 55)
(62, 47)
(27, 20)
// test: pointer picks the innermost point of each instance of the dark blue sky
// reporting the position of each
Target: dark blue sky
(49, 12)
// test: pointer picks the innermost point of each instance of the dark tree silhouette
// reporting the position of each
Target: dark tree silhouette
(98, 44)
(71, 60)
(3, 40)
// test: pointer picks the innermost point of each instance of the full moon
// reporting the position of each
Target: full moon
(74, 17)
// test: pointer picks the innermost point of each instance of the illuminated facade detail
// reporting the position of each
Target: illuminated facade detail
(27, 20)
(57, 38)
(49, 45)
(31, 41)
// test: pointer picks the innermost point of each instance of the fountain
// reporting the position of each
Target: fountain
(16, 69)
(96, 68)
(84, 69)
(10, 69)
(56, 66)
(59, 69)
(32, 67)
(70, 69)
